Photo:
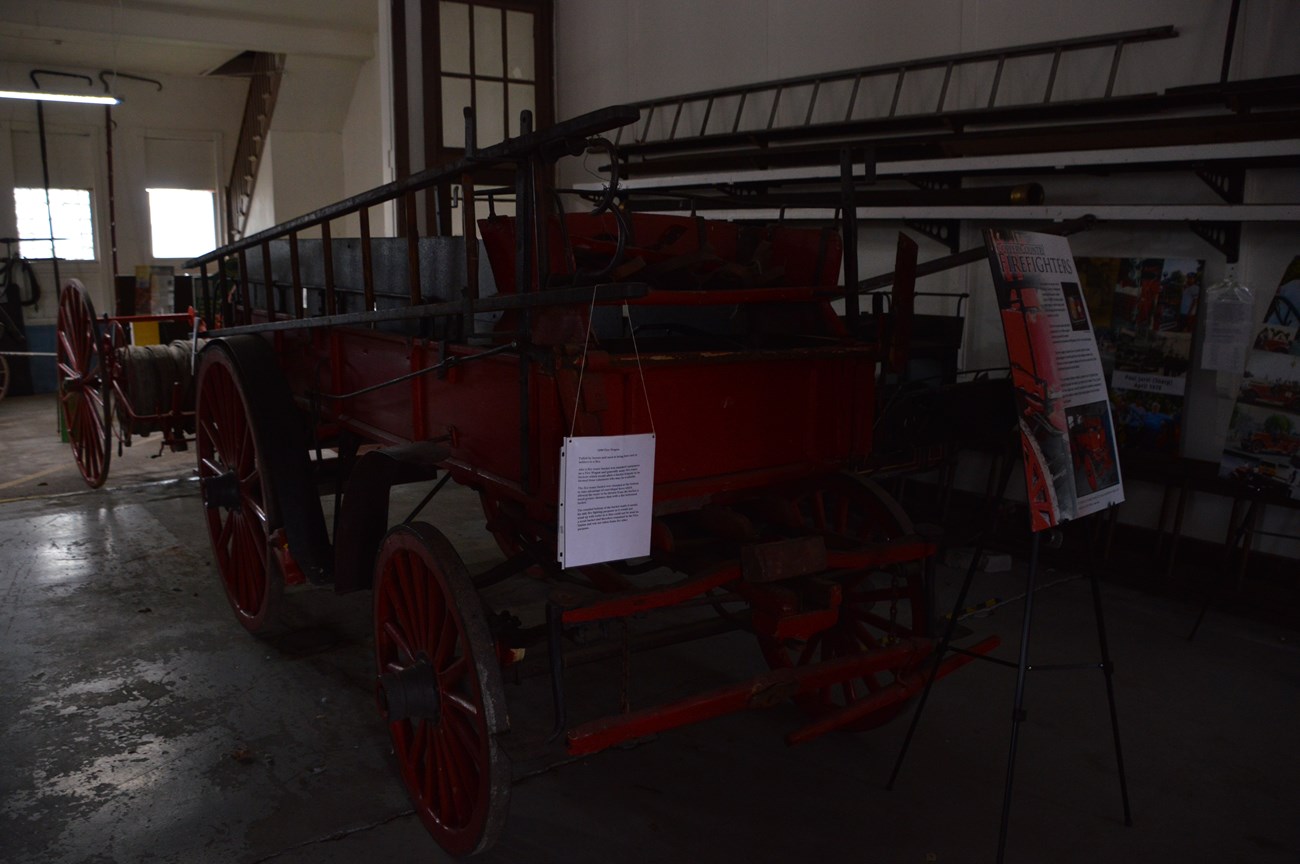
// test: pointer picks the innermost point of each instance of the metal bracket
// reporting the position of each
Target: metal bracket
(934, 181)
(1223, 236)
(946, 231)
(1229, 184)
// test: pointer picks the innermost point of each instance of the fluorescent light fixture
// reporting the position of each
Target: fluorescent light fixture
(41, 96)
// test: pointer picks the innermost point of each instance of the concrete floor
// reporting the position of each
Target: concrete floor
(129, 691)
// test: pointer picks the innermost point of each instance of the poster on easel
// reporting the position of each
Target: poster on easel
(1066, 431)
(1143, 313)
(1262, 450)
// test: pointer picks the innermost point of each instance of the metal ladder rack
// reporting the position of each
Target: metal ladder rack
(810, 87)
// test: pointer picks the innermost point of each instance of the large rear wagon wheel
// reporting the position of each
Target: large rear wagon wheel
(879, 607)
(239, 503)
(439, 689)
(84, 395)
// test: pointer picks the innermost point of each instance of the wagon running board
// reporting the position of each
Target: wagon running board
(772, 688)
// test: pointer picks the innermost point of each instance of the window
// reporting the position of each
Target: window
(183, 222)
(487, 56)
(68, 214)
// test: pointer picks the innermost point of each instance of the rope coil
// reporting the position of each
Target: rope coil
(150, 374)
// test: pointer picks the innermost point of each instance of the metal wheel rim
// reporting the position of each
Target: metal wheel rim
(83, 396)
(830, 509)
(426, 610)
(226, 441)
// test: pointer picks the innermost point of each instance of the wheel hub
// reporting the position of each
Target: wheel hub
(222, 491)
(411, 694)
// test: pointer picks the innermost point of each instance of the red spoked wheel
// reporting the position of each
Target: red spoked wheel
(83, 392)
(238, 500)
(116, 373)
(879, 607)
(439, 689)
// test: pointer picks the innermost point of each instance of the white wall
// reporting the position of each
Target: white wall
(609, 51)
(363, 139)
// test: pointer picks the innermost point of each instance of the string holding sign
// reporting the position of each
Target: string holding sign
(606, 483)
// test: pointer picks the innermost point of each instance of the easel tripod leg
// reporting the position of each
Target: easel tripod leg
(939, 654)
(1018, 711)
(1108, 669)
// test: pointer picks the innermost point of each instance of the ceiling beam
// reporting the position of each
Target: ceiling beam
(183, 25)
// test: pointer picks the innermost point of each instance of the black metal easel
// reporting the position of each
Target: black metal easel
(1022, 667)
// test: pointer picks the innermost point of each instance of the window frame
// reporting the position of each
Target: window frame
(437, 215)
(53, 245)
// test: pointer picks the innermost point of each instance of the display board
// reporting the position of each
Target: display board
(1262, 450)
(1143, 312)
(1067, 435)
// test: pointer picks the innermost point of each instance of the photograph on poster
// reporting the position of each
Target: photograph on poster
(1278, 335)
(1092, 442)
(1262, 448)
(1144, 315)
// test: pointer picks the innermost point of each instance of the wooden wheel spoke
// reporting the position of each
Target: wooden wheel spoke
(260, 518)
(460, 703)
(402, 608)
(465, 731)
(244, 461)
(448, 636)
(462, 769)
(398, 640)
(227, 530)
(70, 353)
(418, 738)
(209, 468)
(447, 804)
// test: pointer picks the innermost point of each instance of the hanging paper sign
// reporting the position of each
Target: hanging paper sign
(606, 498)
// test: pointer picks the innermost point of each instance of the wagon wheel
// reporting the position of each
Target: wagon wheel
(238, 500)
(4, 376)
(439, 689)
(83, 392)
(878, 606)
(116, 373)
